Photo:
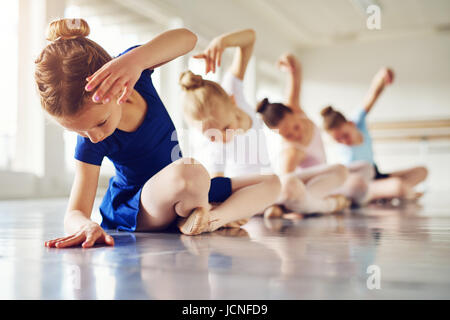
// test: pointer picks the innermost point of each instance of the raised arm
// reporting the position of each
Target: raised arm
(77, 223)
(384, 77)
(121, 74)
(243, 40)
(290, 64)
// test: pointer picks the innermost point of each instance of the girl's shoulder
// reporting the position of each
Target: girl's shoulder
(92, 153)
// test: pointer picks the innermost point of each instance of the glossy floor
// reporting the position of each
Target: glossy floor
(406, 250)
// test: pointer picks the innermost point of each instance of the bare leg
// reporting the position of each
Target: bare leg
(356, 186)
(174, 191)
(400, 184)
(251, 195)
(413, 176)
(388, 188)
(309, 190)
(322, 180)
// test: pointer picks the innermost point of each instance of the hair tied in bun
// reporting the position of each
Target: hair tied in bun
(262, 106)
(190, 81)
(66, 29)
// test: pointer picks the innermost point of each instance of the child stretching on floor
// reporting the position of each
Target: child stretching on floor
(308, 183)
(221, 111)
(355, 145)
(125, 120)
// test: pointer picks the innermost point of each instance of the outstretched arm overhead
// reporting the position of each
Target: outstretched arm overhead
(290, 64)
(244, 40)
(121, 74)
(384, 77)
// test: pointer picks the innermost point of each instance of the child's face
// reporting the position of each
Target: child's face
(290, 127)
(345, 134)
(94, 121)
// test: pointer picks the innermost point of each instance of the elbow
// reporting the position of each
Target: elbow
(252, 33)
(190, 39)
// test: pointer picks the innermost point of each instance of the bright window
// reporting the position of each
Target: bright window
(8, 81)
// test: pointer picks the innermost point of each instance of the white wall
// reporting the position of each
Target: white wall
(340, 75)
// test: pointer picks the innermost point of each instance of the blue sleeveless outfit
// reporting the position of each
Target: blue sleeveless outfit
(137, 156)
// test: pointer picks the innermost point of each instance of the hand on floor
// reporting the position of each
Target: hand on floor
(88, 235)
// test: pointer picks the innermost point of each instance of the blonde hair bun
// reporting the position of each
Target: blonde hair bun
(67, 29)
(190, 81)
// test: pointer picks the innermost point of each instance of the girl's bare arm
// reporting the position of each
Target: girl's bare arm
(383, 77)
(290, 64)
(121, 74)
(243, 40)
(82, 196)
(77, 223)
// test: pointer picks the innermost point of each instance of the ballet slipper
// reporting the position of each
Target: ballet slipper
(342, 202)
(236, 224)
(274, 224)
(196, 223)
(273, 212)
(293, 216)
(231, 232)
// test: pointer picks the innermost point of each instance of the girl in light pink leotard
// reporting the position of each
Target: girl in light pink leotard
(303, 155)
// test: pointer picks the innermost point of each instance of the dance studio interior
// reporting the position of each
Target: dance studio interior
(308, 226)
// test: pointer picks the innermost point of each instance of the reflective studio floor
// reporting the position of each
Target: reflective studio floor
(407, 247)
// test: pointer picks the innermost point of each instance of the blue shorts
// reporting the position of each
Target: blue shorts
(220, 189)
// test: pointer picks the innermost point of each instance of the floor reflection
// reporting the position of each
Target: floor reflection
(315, 258)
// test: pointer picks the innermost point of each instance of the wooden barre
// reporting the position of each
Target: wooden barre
(417, 124)
(413, 138)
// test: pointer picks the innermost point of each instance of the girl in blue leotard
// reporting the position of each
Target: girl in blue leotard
(114, 108)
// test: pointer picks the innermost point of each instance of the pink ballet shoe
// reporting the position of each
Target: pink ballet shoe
(273, 212)
(196, 223)
(236, 224)
(293, 216)
(342, 202)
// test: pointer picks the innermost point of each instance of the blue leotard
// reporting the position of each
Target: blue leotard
(363, 151)
(137, 156)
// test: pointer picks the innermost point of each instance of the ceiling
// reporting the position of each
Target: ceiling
(281, 25)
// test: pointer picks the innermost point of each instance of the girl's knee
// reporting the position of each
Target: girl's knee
(357, 184)
(275, 183)
(291, 188)
(341, 171)
(188, 175)
(398, 187)
(422, 173)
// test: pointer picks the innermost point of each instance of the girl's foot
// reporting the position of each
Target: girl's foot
(342, 202)
(196, 223)
(414, 196)
(236, 224)
(293, 216)
(273, 212)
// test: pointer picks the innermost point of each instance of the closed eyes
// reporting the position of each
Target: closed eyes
(103, 123)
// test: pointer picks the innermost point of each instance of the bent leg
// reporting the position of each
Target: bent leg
(412, 176)
(251, 195)
(388, 188)
(321, 181)
(174, 191)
